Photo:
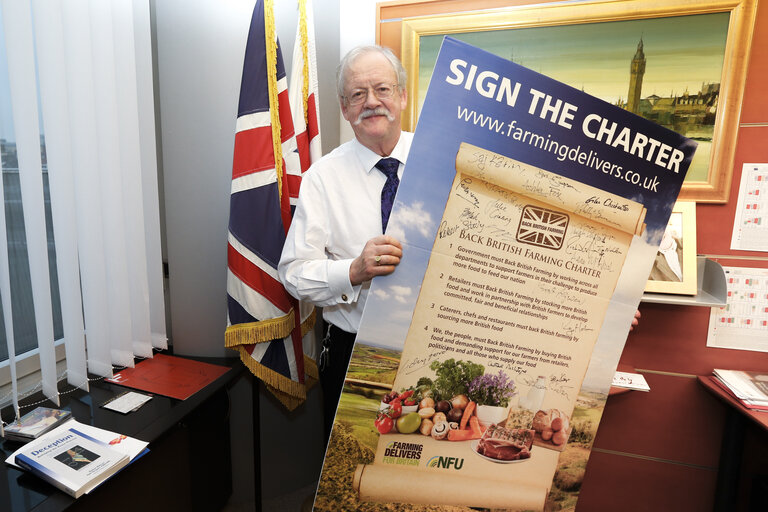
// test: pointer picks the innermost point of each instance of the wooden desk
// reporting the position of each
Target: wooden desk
(731, 448)
(188, 467)
(761, 418)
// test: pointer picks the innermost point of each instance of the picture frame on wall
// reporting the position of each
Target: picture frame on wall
(680, 63)
(675, 267)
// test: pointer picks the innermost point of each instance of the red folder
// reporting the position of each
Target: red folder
(171, 376)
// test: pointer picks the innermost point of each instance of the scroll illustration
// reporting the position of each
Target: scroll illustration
(522, 270)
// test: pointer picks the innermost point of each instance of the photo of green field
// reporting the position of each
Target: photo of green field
(354, 440)
(572, 464)
(370, 375)
(373, 364)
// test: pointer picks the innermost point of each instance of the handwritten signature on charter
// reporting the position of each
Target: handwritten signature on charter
(560, 384)
(417, 363)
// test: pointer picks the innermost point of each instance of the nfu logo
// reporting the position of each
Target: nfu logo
(439, 461)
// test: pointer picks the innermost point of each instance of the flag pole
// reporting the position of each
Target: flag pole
(256, 419)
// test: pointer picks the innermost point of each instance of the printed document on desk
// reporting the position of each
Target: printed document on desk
(71, 460)
(130, 446)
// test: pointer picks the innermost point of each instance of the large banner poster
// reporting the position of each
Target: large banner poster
(530, 214)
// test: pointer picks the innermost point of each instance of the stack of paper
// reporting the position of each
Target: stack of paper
(630, 381)
(750, 388)
(75, 457)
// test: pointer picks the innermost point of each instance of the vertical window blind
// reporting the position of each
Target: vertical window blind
(80, 257)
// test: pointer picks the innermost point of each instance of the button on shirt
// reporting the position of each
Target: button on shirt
(339, 210)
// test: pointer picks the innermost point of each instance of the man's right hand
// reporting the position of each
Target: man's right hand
(379, 257)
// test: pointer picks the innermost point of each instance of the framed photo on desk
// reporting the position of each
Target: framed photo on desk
(674, 268)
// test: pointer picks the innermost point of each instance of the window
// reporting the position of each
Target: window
(78, 158)
(25, 336)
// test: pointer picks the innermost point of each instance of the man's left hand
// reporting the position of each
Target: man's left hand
(379, 257)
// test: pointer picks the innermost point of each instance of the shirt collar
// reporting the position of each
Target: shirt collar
(369, 159)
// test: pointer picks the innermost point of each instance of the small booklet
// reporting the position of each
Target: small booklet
(35, 423)
(71, 460)
(630, 381)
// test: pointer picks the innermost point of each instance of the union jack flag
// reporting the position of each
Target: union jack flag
(542, 227)
(303, 88)
(264, 323)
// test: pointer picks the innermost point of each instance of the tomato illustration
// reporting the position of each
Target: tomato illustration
(406, 394)
(395, 408)
(383, 423)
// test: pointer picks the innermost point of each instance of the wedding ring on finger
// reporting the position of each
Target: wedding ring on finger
(377, 259)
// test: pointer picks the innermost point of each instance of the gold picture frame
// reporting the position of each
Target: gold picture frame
(675, 266)
(711, 181)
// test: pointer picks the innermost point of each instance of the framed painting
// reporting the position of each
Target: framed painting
(674, 268)
(679, 63)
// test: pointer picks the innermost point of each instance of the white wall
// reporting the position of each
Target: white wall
(357, 26)
(200, 47)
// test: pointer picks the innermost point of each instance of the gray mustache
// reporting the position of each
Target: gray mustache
(378, 111)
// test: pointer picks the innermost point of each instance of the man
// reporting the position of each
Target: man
(336, 245)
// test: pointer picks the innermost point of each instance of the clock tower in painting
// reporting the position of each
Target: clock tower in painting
(636, 72)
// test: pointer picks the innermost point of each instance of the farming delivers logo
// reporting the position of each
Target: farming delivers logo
(408, 454)
(438, 461)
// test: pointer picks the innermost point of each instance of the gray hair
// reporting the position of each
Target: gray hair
(354, 53)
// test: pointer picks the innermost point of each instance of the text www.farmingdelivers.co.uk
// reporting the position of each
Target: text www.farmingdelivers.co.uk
(564, 152)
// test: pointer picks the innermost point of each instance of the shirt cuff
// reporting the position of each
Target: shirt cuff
(338, 281)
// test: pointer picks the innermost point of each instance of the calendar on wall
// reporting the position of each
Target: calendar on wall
(750, 224)
(743, 322)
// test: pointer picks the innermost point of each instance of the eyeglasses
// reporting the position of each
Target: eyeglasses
(381, 91)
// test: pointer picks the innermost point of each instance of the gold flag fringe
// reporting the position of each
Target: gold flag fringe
(312, 371)
(267, 330)
(308, 323)
(305, 60)
(312, 377)
(274, 106)
(289, 392)
(259, 332)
